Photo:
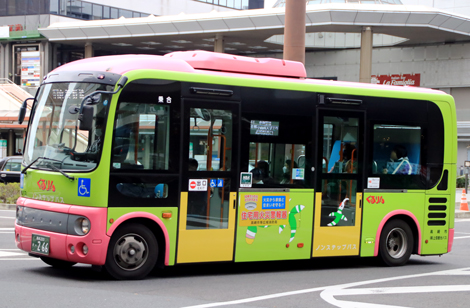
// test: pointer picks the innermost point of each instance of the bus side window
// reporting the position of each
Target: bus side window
(143, 190)
(396, 154)
(141, 137)
(277, 164)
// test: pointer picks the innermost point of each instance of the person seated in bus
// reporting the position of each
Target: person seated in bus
(287, 171)
(263, 167)
(193, 164)
(348, 164)
(257, 175)
(399, 162)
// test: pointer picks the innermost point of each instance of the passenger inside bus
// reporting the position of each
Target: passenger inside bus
(193, 164)
(347, 162)
(399, 162)
(257, 175)
(286, 171)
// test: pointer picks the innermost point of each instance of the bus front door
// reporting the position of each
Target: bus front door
(338, 197)
(208, 194)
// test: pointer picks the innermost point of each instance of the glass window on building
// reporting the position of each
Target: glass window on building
(97, 11)
(106, 12)
(54, 7)
(74, 9)
(125, 13)
(86, 10)
(62, 7)
(114, 13)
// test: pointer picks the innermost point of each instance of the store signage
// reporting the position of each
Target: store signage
(30, 68)
(397, 79)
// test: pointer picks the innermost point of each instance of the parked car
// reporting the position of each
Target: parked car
(10, 168)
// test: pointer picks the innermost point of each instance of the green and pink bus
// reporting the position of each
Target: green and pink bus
(133, 162)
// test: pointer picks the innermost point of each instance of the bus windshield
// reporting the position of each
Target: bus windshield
(54, 133)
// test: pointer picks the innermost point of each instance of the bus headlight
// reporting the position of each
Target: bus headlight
(82, 226)
(19, 214)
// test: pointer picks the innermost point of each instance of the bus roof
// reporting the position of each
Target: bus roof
(212, 63)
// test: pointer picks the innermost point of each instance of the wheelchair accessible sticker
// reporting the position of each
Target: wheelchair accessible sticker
(84, 187)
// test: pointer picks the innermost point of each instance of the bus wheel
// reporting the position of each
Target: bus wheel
(396, 243)
(132, 252)
(57, 263)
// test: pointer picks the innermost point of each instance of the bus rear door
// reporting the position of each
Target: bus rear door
(338, 193)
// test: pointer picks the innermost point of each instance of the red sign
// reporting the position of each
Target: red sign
(192, 185)
(17, 27)
(397, 80)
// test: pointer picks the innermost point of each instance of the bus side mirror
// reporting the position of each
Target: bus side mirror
(22, 113)
(86, 118)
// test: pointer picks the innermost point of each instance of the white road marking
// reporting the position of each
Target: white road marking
(20, 259)
(7, 217)
(7, 229)
(330, 291)
(460, 237)
(12, 210)
(7, 232)
(10, 254)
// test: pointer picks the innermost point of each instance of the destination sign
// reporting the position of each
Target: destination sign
(265, 128)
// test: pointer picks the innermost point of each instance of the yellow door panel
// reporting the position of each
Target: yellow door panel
(336, 240)
(209, 244)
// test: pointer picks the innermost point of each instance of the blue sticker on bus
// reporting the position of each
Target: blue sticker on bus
(213, 183)
(220, 183)
(273, 202)
(84, 185)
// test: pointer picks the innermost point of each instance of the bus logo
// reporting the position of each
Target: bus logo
(46, 185)
(375, 200)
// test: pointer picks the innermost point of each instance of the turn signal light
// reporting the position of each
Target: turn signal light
(166, 215)
(300, 245)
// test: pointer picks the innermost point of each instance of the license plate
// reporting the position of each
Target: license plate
(40, 244)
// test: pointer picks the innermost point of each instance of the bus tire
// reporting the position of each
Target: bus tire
(396, 243)
(132, 252)
(57, 263)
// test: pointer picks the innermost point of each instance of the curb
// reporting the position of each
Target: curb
(4, 206)
(462, 214)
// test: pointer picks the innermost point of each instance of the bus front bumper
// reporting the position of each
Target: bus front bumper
(52, 224)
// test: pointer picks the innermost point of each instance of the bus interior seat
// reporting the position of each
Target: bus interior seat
(334, 154)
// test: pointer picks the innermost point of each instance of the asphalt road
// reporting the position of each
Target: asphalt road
(329, 282)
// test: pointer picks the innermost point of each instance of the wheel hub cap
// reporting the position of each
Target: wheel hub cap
(130, 252)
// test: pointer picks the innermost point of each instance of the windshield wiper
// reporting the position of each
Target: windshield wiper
(71, 178)
(50, 165)
(32, 163)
